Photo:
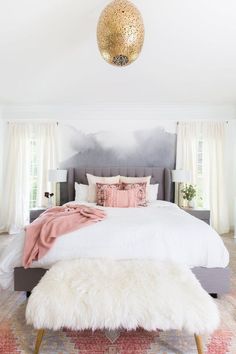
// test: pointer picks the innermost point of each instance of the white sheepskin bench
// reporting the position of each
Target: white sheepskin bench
(101, 293)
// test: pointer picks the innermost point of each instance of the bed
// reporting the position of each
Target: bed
(212, 272)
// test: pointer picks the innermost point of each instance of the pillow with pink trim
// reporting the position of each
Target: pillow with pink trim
(141, 191)
(100, 191)
(115, 198)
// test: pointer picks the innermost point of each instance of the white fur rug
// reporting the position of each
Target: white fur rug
(98, 293)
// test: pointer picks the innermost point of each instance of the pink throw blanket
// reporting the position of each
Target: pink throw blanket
(54, 222)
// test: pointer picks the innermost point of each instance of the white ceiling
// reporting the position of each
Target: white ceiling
(49, 55)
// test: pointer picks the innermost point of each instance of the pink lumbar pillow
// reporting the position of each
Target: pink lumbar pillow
(115, 198)
(141, 189)
(101, 189)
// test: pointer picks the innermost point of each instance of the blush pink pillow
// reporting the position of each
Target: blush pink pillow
(115, 198)
(141, 189)
(101, 188)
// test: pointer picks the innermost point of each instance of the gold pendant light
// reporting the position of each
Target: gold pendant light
(120, 33)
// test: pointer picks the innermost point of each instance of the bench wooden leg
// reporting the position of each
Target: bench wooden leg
(38, 340)
(199, 345)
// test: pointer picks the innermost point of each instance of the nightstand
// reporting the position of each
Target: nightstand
(34, 213)
(202, 214)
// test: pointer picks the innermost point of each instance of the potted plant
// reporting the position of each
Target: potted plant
(189, 193)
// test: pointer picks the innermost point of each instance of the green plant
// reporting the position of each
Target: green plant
(189, 192)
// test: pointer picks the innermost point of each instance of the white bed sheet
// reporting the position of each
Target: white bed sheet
(160, 231)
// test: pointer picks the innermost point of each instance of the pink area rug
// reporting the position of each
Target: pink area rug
(17, 337)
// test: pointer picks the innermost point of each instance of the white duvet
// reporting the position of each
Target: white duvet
(160, 231)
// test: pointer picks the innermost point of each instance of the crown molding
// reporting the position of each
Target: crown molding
(132, 111)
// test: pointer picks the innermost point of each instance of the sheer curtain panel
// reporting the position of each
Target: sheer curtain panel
(29, 146)
(47, 156)
(211, 167)
(14, 209)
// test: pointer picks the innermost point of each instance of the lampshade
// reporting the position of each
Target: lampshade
(57, 175)
(120, 33)
(180, 176)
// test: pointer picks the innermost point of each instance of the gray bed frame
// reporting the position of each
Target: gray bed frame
(214, 280)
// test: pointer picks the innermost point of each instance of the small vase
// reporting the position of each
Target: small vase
(191, 203)
(50, 204)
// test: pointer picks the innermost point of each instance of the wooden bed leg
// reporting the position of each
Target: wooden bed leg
(198, 341)
(40, 334)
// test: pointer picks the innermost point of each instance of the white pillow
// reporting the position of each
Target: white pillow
(81, 192)
(124, 179)
(92, 180)
(152, 192)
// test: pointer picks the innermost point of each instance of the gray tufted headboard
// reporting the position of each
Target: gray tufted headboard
(159, 175)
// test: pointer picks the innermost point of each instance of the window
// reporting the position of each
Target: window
(200, 185)
(33, 173)
(200, 158)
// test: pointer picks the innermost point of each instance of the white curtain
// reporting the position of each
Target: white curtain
(14, 211)
(15, 196)
(47, 154)
(212, 135)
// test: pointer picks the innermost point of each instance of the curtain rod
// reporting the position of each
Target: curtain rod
(8, 122)
(227, 122)
(177, 122)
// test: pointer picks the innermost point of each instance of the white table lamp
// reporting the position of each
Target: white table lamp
(57, 176)
(179, 176)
